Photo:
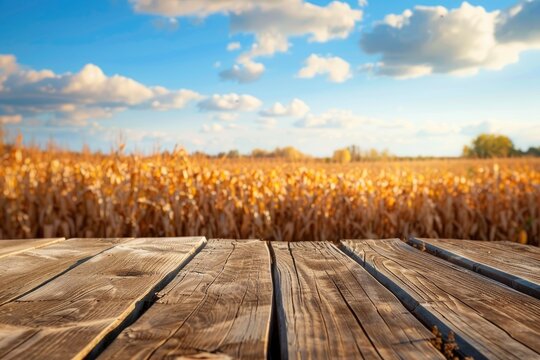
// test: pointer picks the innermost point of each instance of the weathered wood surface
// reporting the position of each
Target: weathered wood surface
(86, 297)
(515, 265)
(489, 319)
(329, 307)
(219, 305)
(22, 272)
(76, 313)
(15, 246)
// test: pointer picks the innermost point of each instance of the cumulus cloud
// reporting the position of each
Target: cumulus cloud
(460, 41)
(243, 72)
(164, 99)
(10, 119)
(75, 98)
(271, 22)
(334, 118)
(296, 108)
(199, 8)
(230, 102)
(93, 85)
(298, 18)
(336, 69)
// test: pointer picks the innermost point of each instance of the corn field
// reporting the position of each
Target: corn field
(57, 193)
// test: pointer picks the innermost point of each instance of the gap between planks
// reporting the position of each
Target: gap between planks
(148, 301)
(329, 306)
(489, 319)
(218, 306)
(515, 265)
(44, 317)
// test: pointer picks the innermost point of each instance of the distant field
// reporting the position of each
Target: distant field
(46, 194)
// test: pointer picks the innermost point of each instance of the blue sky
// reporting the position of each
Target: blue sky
(415, 78)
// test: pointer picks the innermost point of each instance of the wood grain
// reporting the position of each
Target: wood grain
(15, 246)
(329, 307)
(515, 265)
(25, 271)
(489, 319)
(77, 312)
(218, 306)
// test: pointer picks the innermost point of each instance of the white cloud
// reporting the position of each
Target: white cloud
(271, 22)
(266, 44)
(286, 17)
(93, 85)
(230, 102)
(164, 99)
(244, 72)
(363, 3)
(233, 46)
(10, 119)
(76, 98)
(296, 108)
(460, 41)
(298, 18)
(337, 69)
(8, 66)
(199, 8)
(334, 118)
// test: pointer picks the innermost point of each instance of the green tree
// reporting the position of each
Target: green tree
(533, 151)
(489, 146)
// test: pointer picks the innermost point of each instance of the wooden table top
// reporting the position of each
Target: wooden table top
(192, 298)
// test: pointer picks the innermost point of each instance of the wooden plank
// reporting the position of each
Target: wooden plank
(25, 271)
(515, 265)
(329, 307)
(219, 305)
(75, 314)
(489, 319)
(16, 246)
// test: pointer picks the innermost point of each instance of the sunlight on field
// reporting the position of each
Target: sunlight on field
(53, 193)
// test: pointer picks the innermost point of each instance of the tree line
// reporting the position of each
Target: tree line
(493, 145)
(483, 146)
(351, 153)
